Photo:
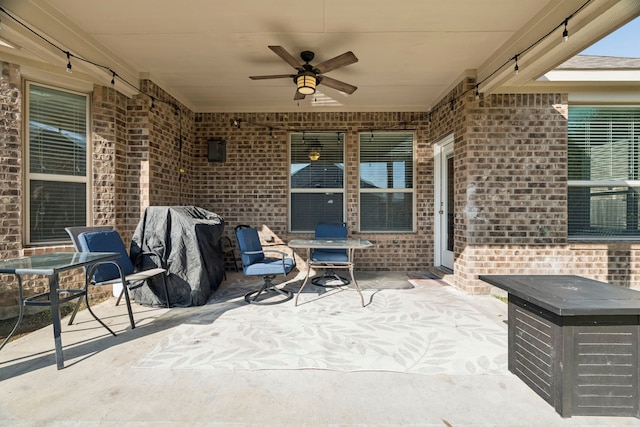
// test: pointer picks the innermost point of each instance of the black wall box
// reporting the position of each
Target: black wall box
(217, 150)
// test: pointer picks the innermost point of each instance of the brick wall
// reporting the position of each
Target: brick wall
(106, 155)
(522, 198)
(10, 179)
(251, 187)
(447, 118)
(137, 196)
(159, 143)
(510, 160)
(511, 164)
(612, 263)
(135, 160)
(169, 135)
(11, 195)
(10, 161)
(518, 201)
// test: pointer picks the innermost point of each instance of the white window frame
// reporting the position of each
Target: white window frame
(411, 190)
(29, 176)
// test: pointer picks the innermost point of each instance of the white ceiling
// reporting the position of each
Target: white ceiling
(202, 52)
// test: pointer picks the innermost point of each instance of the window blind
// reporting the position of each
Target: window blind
(57, 132)
(386, 160)
(386, 181)
(54, 206)
(316, 179)
(604, 182)
(57, 159)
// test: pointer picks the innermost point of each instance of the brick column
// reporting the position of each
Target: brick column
(10, 161)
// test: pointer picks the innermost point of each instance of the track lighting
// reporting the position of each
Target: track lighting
(516, 69)
(69, 63)
(565, 33)
(113, 78)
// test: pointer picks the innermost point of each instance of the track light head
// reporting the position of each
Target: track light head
(69, 63)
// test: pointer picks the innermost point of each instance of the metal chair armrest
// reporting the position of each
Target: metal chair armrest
(283, 256)
(91, 271)
(251, 252)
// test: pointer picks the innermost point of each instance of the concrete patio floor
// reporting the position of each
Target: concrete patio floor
(100, 386)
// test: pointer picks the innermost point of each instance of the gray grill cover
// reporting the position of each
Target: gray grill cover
(187, 239)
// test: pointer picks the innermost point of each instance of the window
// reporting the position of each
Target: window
(316, 180)
(604, 177)
(386, 182)
(57, 178)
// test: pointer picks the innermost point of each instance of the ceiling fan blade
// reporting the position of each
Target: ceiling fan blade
(286, 56)
(273, 76)
(338, 85)
(298, 96)
(339, 61)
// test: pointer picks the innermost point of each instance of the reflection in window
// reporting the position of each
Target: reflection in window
(386, 181)
(57, 158)
(316, 179)
(604, 177)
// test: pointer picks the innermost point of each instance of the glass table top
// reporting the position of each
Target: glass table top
(48, 264)
(330, 243)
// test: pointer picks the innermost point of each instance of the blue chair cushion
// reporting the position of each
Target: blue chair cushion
(269, 267)
(249, 241)
(329, 255)
(106, 241)
(330, 231)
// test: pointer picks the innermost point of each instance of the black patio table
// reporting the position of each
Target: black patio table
(51, 265)
(574, 341)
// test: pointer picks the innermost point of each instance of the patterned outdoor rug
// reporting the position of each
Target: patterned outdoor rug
(403, 328)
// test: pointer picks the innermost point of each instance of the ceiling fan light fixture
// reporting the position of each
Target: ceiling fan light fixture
(306, 83)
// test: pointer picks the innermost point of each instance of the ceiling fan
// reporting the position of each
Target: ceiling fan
(309, 76)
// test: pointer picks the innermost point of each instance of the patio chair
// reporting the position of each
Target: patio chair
(256, 262)
(122, 270)
(330, 231)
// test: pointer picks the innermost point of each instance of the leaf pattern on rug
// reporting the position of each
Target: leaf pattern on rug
(422, 329)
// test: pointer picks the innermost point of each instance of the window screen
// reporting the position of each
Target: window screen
(57, 159)
(604, 182)
(386, 181)
(316, 179)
